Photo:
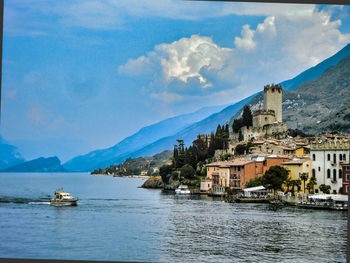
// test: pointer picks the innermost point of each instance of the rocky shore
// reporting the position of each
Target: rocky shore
(153, 182)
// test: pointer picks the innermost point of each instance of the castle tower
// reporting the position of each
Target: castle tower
(273, 100)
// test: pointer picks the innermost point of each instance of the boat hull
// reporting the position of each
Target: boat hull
(56, 202)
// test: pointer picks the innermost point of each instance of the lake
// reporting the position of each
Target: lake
(116, 220)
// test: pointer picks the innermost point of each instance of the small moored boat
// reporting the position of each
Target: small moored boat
(182, 190)
(63, 198)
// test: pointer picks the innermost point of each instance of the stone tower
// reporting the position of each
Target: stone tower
(273, 100)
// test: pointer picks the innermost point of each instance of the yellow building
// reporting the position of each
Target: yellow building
(296, 167)
(301, 151)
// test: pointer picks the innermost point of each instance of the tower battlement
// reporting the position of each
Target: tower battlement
(273, 100)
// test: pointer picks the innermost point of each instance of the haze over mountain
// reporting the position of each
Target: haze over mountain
(50, 164)
(9, 155)
(140, 144)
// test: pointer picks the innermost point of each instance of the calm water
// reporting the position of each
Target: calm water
(115, 220)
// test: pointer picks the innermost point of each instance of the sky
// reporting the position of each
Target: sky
(82, 75)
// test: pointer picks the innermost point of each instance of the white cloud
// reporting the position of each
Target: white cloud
(185, 58)
(246, 42)
(134, 67)
(181, 60)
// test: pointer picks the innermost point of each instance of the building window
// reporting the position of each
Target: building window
(334, 158)
(328, 157)
(347, 189)
(340, 173)
(314, 157)
(313, 172)
(319, 169)
(340, 157)
(344, 157)
(334, 174)
(316, 191)
(347, 177)
(239, 168)
(328, 173)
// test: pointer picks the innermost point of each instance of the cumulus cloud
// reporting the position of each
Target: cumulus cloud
(182, 61)
(246, 41)
(282, 45)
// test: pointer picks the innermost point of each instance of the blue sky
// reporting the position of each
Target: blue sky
(82, 75)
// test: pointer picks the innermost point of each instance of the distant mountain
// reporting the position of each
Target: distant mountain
(137, 165)
(51, 164)
(9, 155)
(323, 104)
(316, 71)
(143, 137)
(308, 75)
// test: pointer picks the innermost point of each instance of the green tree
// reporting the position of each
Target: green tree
(304, 177)
(311, 184)
(165, 172)
(295, 183)
(325, 188)
(237, 125)
(253, 182)
(247, 117)
(288, 183)
(274, 178)
(240, 149)
(187, 171)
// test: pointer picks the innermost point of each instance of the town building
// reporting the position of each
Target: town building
(297, 167)
(234, 174)
(346, 177)
(327, 158)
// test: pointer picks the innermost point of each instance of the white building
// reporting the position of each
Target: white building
(326, 158)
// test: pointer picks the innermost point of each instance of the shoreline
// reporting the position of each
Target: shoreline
(126, 176)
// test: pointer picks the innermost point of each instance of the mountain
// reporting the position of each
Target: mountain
(143, 137)
(137, 165)
(316, 71)
(323, 104)
(50, 164)
(308, 75)
(9, 155)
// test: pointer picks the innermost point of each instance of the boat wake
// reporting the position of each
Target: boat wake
(21, 200)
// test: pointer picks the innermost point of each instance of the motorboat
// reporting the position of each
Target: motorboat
(63, 198)
(183, 190)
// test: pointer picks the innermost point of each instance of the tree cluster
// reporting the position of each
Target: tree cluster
(245, 120)
(200, 150)
(277, 177)
(188, 162)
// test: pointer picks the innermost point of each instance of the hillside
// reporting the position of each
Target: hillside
(137, 165)
(50, 164)
(323, 104)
